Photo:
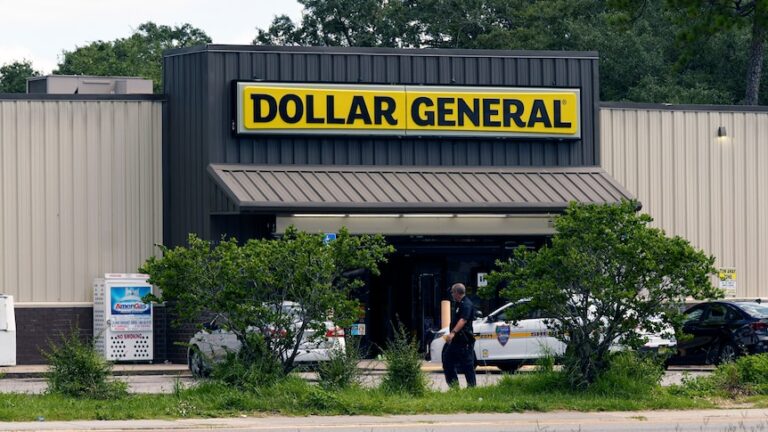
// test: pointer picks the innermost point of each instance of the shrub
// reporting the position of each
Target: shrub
(746, 376)
(605, 274)
(403, 360)
(629, 375)
(341, 370)
(248, 373)
(76, 369)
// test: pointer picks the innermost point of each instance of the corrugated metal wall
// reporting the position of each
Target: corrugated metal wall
(200, 105)
(712, 191)
(80, 187)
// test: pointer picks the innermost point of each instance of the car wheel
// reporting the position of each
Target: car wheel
(727, 353)
(510, 367)
(197, 363)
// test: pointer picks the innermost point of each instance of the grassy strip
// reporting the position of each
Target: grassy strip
(538, 392)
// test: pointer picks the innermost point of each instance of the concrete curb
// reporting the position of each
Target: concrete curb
(181, 370)
(39, 371)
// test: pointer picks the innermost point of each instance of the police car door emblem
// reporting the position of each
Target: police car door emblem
(502, 334)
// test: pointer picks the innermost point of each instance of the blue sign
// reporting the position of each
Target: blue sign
(329, 237)
(127, 300)
(502, 334)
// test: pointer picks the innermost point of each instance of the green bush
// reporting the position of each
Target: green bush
(748, 375)
(629, 374)
(76, 369)
(403, 360)
(341, 370)
(248, 372)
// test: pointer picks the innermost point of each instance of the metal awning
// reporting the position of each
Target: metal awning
(285, 189)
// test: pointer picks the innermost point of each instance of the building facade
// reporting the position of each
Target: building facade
(259, 138)
(90, 183)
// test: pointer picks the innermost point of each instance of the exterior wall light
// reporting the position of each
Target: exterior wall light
(721, 132)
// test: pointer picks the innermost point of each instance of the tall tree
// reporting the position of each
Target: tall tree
(363, 23)
(699, 21)
(640, 59)
(709, 17)
(13, 76)
(140, 54)
(606, 275)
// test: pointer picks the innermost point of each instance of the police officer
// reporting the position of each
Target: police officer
(459, 351)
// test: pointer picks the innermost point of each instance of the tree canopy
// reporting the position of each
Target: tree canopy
(648, 53)
(246, 285)
(140, 54)
(606, 277)
(13, 76)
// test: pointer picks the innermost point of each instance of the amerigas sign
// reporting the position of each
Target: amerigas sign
(293, 108)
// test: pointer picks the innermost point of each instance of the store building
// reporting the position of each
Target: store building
(456, 155)
(453, 177)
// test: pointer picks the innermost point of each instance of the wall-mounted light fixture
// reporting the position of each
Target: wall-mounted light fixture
(721, 132)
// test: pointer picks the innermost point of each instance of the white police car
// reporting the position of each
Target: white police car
(507, 344)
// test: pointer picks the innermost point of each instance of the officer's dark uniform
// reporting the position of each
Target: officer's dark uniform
(460, 353)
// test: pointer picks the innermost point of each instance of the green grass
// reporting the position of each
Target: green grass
(537, 392)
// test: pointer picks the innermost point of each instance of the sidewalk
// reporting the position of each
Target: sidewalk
(694, 420)
(372, 367)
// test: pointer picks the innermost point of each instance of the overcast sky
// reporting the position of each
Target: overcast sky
(39, 30)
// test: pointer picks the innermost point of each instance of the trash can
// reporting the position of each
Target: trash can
(7, 331)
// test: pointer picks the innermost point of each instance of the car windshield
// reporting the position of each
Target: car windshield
(756, 310)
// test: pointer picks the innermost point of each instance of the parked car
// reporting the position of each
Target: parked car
(508, 344)
(211, 345)
(719, 331)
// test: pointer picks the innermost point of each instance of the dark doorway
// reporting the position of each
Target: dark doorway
(417, 278)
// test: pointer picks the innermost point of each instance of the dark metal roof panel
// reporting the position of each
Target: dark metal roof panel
(313, 188)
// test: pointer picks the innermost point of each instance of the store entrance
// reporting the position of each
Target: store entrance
(418, 276)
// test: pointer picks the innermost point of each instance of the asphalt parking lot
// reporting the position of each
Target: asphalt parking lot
(166, 379)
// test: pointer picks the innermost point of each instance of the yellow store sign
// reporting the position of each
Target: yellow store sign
(289, 108)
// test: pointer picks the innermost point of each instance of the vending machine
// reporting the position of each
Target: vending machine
(122, 322)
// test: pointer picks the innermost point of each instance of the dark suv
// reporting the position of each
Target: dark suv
(720, 331)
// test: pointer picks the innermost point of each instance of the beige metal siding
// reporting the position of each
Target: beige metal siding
(81, 194)
(710, 190)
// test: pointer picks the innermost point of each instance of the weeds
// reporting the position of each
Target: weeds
(746, 376)
(629, 374)
(341, 370)
(403, 360)
(77, 370)
(251, 373)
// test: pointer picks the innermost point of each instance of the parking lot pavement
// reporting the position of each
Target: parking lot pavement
(372, 374)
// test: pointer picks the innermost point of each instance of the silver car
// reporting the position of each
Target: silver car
(212, 344)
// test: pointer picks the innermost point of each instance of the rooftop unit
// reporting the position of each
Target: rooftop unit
(80, 84)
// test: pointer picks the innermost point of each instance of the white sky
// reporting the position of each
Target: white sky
(39, 30)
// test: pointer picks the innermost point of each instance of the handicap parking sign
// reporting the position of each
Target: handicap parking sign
(329, 237)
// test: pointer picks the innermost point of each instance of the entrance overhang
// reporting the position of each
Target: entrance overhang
(413, 200)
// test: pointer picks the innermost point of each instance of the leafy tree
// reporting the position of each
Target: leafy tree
(247, 285)
(140, 54)
(697, 22)
(606, 275)
(13, 76)
(364, 23)
(640, 59)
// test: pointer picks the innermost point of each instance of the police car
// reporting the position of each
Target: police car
(508, 344)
